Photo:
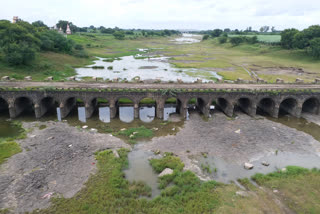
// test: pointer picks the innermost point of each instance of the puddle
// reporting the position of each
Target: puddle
(188, 39)
(147, 113)
(8, 129)
(300, 124)
(128, 67)
(139, 169)
(225, 172)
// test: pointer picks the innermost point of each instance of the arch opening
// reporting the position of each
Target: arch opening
(172, 106)
(125, 109)
(101, 109)
(265, 106)
(49, 106)
(222, 103)
(287, 106)
(147, 109)
(195, 105)
(311, 105)
(24, 107)
(4, 107)
(243, 105)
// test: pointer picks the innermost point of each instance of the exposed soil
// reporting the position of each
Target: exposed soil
(218, 137)
(279, 70)
(56, 160)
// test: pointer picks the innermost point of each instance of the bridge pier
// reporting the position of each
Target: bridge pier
(136, 111)
(66, 108)
(113, 109)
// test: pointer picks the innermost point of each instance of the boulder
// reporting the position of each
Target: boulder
(115, 80)
(239, 80)
(115, 153)
(28, 78)
(317, 81)
(94, 78)
(73, 78)
(264, 163)
(199, 81)
(167, 171)
(259, 80)
(49, 78)
(5, 78)
(248, 166)
(279, 81)
(84, 127)
(242, 193)
(298, 80)
(179, 81)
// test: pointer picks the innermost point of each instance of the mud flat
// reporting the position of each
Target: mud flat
(235, 142)
(57, 160)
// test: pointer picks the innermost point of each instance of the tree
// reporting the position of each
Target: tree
(223, 39)
(19, 54)
(63, 24)
(287, 38)
(273, 29)
(237, 40)
(119, 35)
(107, 30)
(40, 24)
(227, 30)
(264, 29)
(216, 33)
(205, 37)
(315, 47)
(253, 40)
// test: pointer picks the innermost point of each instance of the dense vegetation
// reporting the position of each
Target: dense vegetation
(20, 42)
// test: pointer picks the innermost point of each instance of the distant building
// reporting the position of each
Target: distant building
(60, 30)
(15, 19)
(68, 31)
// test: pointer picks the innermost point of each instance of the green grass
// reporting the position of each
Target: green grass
(137, 133)
(7, 149)
(125, 101)
(168, 161)
(147, 101)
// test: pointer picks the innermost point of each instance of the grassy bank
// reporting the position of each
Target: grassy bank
(8, 146)
(182, 192)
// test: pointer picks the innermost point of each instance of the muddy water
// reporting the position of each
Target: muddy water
(222, 171)
(8, 129)
(128, 67)
(139, 169)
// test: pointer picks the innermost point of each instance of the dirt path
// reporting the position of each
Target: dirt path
(56, 160)
(157, 86)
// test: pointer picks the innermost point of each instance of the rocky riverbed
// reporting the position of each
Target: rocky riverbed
(57, 160)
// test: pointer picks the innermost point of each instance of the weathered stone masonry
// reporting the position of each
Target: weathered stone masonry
(41, 101)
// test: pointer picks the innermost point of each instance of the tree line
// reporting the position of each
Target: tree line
(307, 39)
(21, 41)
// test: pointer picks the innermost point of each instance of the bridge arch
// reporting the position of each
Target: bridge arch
(225, 105)
(4, 106)
(23, 105)
(311, 105)
(147, 109)
(267, 105)
(48, 105)
(245, 105)
(288, 106)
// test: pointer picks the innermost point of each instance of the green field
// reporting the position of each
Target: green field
(262, 38)
(268, 62)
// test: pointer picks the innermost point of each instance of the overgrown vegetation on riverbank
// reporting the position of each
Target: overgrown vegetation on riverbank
(109, 192)
(8, 146)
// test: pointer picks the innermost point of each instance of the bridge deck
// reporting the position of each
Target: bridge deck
(157, 86)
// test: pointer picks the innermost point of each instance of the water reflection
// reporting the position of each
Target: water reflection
(225, 172)
(139, 169)
(126, 114)
(104, 114)
(8, 129)
(147, 113)
(59, 114)
(169, 109)
(82, 114)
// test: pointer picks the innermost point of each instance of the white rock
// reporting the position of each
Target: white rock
(167, 171)
(155, 129)
(173, 129)
(93, 130)
(242, 193)
(116, 154)
(33, 136)
(248, 166)
(50, 138)
(284, 170)
(70, 146)
(84, 127)
(275, 191)
(238, 131)
(123, 129)
(134, 133)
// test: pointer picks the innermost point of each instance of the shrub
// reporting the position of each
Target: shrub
(205, 37)
(222, 40)
(236, 40)
(169, 161)
(78, 47)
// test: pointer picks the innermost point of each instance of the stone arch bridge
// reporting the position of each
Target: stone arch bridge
(270, 101)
